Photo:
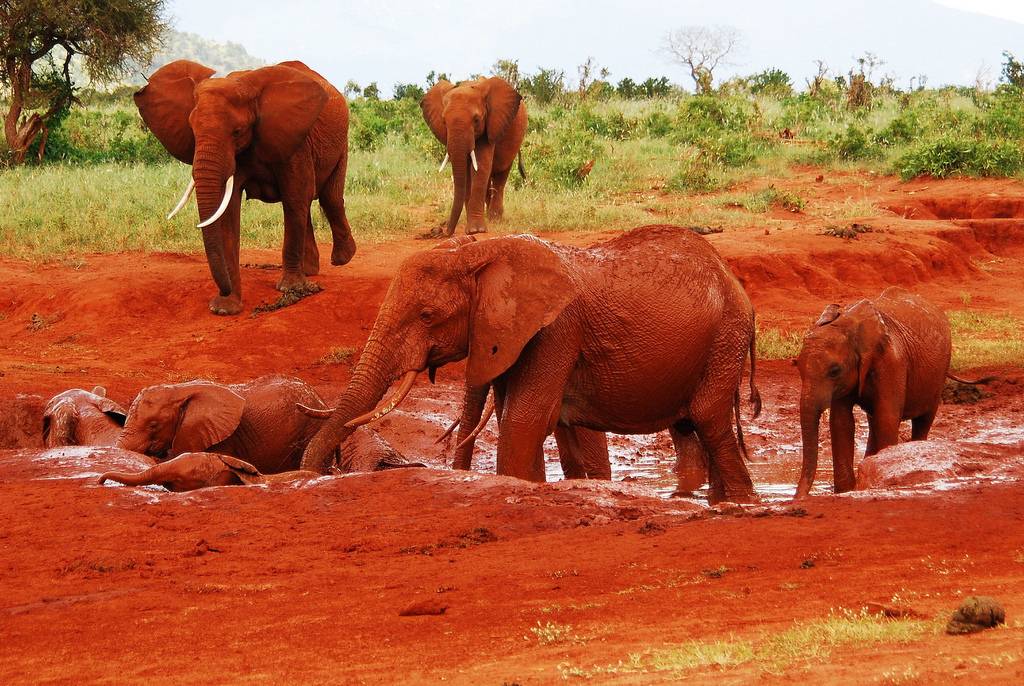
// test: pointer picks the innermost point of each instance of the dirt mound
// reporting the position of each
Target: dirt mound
(988, 206)
(21, 421)
(916, 463)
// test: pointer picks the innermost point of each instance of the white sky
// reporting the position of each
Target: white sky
(392, 41)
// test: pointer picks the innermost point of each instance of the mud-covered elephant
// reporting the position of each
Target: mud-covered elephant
(481, 124)
(889, 356)
(645, 332)
(80, 417)
(190, 471)
(278, 133)
(259, 421)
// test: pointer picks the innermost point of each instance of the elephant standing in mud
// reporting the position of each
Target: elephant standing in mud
(648, 331)
(80, 417)
(890, 356)
(482, 124)
(278, 133)
(259, 421)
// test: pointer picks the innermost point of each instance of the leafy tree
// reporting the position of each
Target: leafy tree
(1013, 70)
(39, 38)
(433, 77)
(627, 88)
(773, 82)
(592, 79)
(352, 89)
(656, 87)
(372, 92)
(701, 49)
(545, 85)
(409, 91)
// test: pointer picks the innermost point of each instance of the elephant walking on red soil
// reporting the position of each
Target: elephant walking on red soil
(890, 356)
(648, 331)
(278, 133)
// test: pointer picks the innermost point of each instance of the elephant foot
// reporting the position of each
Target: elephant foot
(226, 304)
(311, 266)
(343, 252)
(292, 281)
(436, 232)
(749, 498)
(479, 229)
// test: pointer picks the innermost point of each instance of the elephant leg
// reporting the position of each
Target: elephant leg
(332, 200)
(310, 253)
(884, 425)
(583, 453)
(691, 459)
(472, 408)
(841, 428)
(296, 220)
(496, 197)
(477, 195)
(920, 426)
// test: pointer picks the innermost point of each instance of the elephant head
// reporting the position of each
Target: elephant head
(78, 417)
(171, 419)
(835, 361)
(464, 117)
(481, 300)
(210, 123)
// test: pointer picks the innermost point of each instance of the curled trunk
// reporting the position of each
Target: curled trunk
(370, 380)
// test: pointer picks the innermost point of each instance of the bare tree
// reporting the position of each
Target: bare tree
(702, 49)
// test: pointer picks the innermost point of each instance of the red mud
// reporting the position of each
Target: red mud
(305, 585)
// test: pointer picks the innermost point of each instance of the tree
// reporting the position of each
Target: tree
(372, 92)
(592, 78)
(352, 89)
(701, 49)
(508, 70)
(545, 85)
(410, 91)
(1013, 70)
(38, 39)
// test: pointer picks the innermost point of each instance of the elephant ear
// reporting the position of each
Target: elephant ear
(288, 104)
(871, 341)
(112, 409)
(209, 414)
(167, 100)
(829, 314)
(432, 106)
(502, 105)
(521, 287)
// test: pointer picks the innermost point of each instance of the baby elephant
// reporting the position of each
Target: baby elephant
(79, 417)
(190, 471)
(890, 356)
(258, 422)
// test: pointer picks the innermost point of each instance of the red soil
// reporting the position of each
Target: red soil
(286, 585)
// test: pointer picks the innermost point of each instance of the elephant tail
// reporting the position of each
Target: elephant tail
(755, 395)
(975, 382)
(739, 426)
(522, 169)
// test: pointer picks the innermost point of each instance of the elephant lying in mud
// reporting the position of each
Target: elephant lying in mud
(890, 356)
(190, 471)
(258, 421)
(80, 417)
(648, 331)
(366, 452)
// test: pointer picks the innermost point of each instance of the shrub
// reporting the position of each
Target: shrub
(956, 155)
(854, 144)
(774, 83)
(696, 176)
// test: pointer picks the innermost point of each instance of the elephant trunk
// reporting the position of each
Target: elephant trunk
(153, 475)
(458, 152)
(371, 378)
(810, 421)
(211, 175)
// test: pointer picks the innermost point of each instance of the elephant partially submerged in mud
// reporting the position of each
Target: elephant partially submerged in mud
(890, 356)
(80, 417)
(648, 331)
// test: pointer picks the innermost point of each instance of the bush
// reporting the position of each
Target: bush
(854, 144)
(557, 154)
(773, 83)
(696, 176)
(724, 129)
(958, 155)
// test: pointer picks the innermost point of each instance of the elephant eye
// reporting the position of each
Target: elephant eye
(834, 371)
(237, 132)
(427, 315)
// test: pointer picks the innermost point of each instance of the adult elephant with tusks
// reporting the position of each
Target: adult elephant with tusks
(279, 133)
(645, 332)
(481, 124)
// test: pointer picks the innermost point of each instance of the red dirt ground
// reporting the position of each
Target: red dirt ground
(287, 585)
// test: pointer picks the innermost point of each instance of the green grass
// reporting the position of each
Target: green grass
(775, 653)
(776, 344)
(986, 340)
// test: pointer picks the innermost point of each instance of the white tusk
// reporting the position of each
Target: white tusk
(488, 411)
(443, 162)
(184, 198)
(472, 156)
(228, 187)
(390, 404)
